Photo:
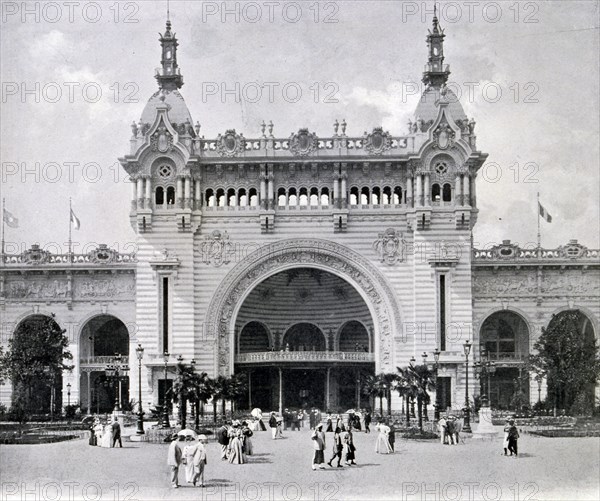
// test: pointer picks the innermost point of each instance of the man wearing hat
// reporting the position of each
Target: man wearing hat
(174, 460)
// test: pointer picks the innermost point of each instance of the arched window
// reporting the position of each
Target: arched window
(254, 338)
(435, 192)
(304, 337)
(397, 195)
(210, 198)
(242, 197)
(303, 197)
(281, 197)
(231, 198)
(292, 197)
(221, 197)
(354, 196)
(376, 196)
(314, 197)
(354, 337)
(324, 196)
(447, 192)
(170, 195)
(386, 198)
(364, 196)
(253, 197)
(159, 198)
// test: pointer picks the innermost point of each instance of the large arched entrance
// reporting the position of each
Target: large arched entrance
(504, 338)
(318, 346)
(39, 391)
(103, 337)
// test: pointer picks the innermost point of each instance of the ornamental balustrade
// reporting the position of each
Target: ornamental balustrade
(305, 356)
(102, 255)
(511, 252)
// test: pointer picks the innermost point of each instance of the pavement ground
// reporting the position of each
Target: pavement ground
(546, 469)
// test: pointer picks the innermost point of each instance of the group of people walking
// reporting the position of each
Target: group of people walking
(234, 439)
(106, 434)
(192, 455)
(343, 447)
(449, 428)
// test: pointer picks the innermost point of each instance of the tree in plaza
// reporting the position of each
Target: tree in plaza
(419, 379)
(218, 388)
(568, 360)
(375, 387)
(201, 391)
(36, 358)
(183, 390)
(237, 387)
(390, 380)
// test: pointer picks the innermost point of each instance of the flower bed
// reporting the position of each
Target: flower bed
(416, 434)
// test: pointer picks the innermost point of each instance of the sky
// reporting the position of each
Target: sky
(75, 75)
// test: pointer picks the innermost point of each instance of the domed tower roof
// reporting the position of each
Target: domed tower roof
(427, 108)
(178, 110)
(169, 80)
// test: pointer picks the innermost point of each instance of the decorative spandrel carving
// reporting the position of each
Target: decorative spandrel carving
(216, 249)
(36, 289)
(161, 140)
(303, 143)
(569, 284)
(377, 141)
(389, 246)
(302, 252)
(104, 288)
(443, 136)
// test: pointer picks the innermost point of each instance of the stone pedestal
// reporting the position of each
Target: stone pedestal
(485, 429)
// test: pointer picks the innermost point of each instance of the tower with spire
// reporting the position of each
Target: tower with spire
(168, 76)
(436, 72)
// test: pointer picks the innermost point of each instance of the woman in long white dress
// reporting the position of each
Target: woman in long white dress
(200, 460)
(383, 442)
(189, 451)
(235, 453)
(107, 436)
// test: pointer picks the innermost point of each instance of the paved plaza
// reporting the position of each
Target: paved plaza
(281, 469)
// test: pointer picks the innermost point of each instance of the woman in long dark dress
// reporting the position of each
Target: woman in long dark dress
(349, 448)
(329, 423)
(338, 447)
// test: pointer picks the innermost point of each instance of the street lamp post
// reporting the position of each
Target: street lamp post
(68, 394)
(117, 370)
(197, 402)
(139, 351)
(467, 420)
(166, 423)
(424, 386)
(436, 358)
(539, 378)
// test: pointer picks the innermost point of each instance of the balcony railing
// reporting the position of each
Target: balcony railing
(508, 356)
(101, 360)
(305, 356)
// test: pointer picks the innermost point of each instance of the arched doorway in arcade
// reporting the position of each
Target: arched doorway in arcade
(39, 394)
(302, 338)
(504, 338)
(103, 337)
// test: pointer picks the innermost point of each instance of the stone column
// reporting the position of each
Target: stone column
(140, 192)
(473, 191)
(270, 191)
(148, 197)
(89, 392)
(419, 201)
(179, 193)
(458, 191)
(198, 196)
(344, 191)
(280, 391)
(408, 194)
(187, 195)
(336, 191)
(426, 190)
(263, 189)
(466, 182)
(327, 385)
(134, 195)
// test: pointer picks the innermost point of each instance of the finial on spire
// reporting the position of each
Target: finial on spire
(168, 13)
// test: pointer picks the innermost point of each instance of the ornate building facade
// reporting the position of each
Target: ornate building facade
(305, 261)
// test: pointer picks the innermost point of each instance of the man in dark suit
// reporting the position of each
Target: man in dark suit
(223, 439)
(116, 432)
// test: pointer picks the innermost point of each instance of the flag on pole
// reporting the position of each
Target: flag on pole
(75, 220)
(544, 213)
(10, 220)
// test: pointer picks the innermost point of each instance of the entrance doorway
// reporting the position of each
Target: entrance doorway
(304, 388)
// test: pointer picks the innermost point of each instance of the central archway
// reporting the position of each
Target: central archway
(325, 255)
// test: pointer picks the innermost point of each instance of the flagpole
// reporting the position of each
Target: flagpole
(70, 225)
(539, 234)
(3, 223)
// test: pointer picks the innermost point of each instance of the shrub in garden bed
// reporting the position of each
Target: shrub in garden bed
(415, 433)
